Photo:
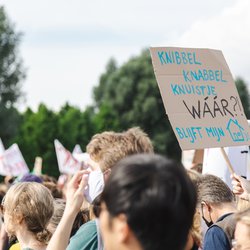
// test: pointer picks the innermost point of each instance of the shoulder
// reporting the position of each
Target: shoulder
(215, 238)
(85, 237)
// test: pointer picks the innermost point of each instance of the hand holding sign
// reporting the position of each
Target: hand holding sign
(241, 187)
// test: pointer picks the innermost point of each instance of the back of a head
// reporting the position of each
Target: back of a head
(99, 142)
(59, 206)
(213, 190)
(54, 189)
(109, 147)
(34, 203)
(139, 140)
(157, 198)
(31, 178)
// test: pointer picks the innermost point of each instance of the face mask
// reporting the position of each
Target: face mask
(95, 185)
(208, 223)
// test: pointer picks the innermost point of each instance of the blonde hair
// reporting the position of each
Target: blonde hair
(32, 203)
(139, 141)
(242, 205)
(109, 147)
(243, 217)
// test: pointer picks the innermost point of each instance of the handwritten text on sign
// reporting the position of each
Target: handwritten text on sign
(200, 98)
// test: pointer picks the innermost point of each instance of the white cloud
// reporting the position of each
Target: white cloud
(67, 44)
(227, 31)
(60, 74)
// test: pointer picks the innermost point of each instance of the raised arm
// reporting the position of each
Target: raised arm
(75, 197)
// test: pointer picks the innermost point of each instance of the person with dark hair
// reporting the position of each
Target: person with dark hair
(105, 150)
(148, 203)
(217, 208)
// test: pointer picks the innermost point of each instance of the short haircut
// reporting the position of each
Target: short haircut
(140, 142)
(33, 203)
(109, 147)
(213, 190)
(157, 198)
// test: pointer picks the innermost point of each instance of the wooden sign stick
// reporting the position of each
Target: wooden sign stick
(230, 167)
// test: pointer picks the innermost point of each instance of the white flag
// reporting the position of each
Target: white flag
(2, 149)
(66, 162)
(13, 162)
(3, 169)
(77, 149)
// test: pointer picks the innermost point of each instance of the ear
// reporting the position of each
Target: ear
(207, 205)
(209, 208)
(18, 217)
(122, 228)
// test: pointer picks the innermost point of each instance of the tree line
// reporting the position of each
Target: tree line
(126, 96)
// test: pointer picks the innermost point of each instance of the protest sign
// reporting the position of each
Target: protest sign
(2, 149)
(12, 162)
(200, 97)
(66, 162)
(77, 150)
(2, 168)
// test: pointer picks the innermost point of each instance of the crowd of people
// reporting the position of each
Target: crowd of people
(129, 198)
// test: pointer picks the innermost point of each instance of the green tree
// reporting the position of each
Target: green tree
(88, 127)
(68, 125)
(11, 76)
(129, 96)
(74, 126)
(36, 137)
(243, 91)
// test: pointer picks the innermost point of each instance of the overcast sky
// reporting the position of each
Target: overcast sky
(66, 44)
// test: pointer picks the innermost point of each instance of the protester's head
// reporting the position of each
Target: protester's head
(242, 231)
(48, 178)
(109, 147)
(195, 177)
(147, 203)
(28, 206)
(139, 140)
(31, 178)
(59, 206)
(54, 189)
(213, 196)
